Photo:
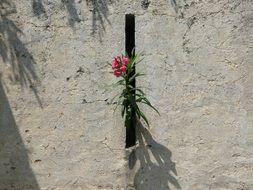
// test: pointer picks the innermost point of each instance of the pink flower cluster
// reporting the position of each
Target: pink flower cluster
(119, 65)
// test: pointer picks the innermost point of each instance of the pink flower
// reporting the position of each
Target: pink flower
(115, 64)
(119, 65)
(123, 69)
(117, 73)
(125, 61)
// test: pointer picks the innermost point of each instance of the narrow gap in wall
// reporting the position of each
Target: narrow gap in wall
(129, 46)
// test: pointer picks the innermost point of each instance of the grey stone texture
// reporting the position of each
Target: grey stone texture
(58, 129)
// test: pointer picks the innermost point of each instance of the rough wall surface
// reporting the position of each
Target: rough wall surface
(57, 128)
(200, 75)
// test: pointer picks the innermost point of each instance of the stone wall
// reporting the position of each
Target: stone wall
(199, 63)
(58, 129)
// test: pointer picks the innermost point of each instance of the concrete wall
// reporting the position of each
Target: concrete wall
(199, 63)
(58, 130)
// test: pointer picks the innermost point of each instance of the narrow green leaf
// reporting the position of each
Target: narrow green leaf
(146, 101)
(138, 61)
(134, 76)
(132, 52)
(151, 107)
(123, 109)
(139, 90)
(114, 98)
(144, 117)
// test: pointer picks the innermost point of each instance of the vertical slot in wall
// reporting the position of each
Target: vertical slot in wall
(129, 47)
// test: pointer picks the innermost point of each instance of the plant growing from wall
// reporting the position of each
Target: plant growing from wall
(130, 97)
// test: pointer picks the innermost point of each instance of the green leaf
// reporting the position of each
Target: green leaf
(138, 61)
(141, 97)
(123, 108)
(139, 90)
(128, 116)
(114, 98)
(132, 52)
(151, 107)
(132, 63)
(121, 82)
(141, 114)
(134, 76)
(146, 101)
(136, 89)
(118, 103)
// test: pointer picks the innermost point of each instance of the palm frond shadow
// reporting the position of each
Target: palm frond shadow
(157, 170)
(100, 12)
(72, 11)
(14, 52)
(175, 5)
(98, 8)
(38, 8)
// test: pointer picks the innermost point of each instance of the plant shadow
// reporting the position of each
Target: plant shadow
(98, 8)
(38, 8)
(14, 52)
(156, 170)
(15, 170)
(100, 12)
(73, 18)
(175, 5)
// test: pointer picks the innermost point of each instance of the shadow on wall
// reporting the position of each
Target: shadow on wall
(72, 11)
(14, 52)
(99, 13)
(175, 5)
(38, 8)
(15, 171)
(70, 5)
(156, 170)
(99, 9)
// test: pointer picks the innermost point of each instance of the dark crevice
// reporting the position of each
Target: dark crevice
(130, 45)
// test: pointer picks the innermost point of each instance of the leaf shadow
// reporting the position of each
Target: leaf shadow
(73, 17)
(38, 8)
(100, 10)
(156, 170)
(15, 53)
(175, 5)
